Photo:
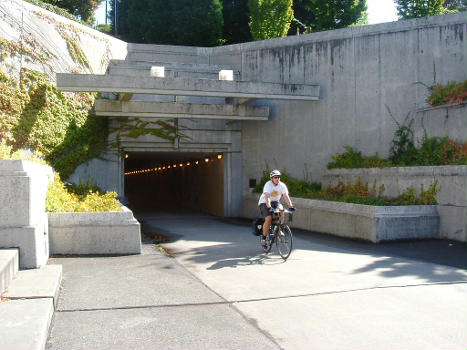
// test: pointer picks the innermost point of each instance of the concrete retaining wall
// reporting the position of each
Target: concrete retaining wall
(366, 222)
(94, 233)
(23, 220)
(360, 70)
(451, 200)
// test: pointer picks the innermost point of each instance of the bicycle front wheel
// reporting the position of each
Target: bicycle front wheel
(284, 240)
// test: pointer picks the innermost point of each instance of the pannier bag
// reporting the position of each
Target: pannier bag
(257, 226)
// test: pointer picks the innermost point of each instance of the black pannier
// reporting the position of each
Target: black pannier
(257, 227)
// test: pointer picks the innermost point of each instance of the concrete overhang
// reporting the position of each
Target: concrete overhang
(111, 108)
(185, 87)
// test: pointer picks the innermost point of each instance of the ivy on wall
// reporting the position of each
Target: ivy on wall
(37, 116)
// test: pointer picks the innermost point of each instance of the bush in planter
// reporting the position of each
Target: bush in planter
(452, 92)
(354, 159)
(79, 198)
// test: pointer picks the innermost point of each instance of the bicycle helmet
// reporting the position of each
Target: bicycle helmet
(274, 173)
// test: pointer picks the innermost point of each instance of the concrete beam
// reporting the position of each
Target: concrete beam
(186, 87)
(179, 110)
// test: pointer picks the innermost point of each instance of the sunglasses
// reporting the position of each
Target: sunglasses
(276, 177)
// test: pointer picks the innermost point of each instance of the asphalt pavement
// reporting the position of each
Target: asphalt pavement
(219, 291)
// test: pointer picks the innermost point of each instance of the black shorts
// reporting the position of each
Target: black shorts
(264, 209)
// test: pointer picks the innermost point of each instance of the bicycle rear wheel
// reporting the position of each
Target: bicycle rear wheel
(284, 241)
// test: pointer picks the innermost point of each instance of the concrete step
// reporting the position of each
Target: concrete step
(9, 264)
(25, 323)
(43, 282)
(27, 308)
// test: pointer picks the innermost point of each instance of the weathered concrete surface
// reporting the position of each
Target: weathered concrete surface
(9, 264)
(185, 87)
(452, 199)
(153, 302)
(94, 233)
(23, 220)
(25, 323)
(366, 222)
(46, 37)
(329, 293)
(179, 110)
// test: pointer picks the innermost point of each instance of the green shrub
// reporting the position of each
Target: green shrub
(297, 188)
(79, 198)
(352, 159)
(452, 92)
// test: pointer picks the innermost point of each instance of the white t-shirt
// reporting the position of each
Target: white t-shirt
(275, 192)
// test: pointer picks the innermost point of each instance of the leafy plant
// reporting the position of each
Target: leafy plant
(270, 18)
(452, 92)
(79, 198)
(352, 159)
(402, 150)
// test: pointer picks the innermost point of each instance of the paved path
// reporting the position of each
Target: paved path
(341, 294)
(221, 292)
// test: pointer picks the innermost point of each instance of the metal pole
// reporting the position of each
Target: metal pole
(116, 17)
(106, 12)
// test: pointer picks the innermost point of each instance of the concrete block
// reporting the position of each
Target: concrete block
(25, 323)
(9, 263)
(366, 222)
(32, 241)
(95, 233)
(23, 186)
(43, 282)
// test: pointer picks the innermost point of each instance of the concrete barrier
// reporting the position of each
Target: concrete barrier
(23, 220)
(100, 233)
(452, 198)
(366, 222)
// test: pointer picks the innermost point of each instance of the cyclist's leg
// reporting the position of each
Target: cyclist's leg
(267, 215)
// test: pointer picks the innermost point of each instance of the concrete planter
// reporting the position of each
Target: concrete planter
(451, 200)
(23, 220)
(100, 233)
(366, 222)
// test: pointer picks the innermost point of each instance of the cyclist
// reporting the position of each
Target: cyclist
(272, 192)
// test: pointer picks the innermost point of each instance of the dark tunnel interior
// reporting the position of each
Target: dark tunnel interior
(175, 181)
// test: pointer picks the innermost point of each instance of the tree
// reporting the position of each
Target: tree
(318, 15)
(460, 5)
(176, 22)
(270, 18)
(236, 17)
(84, 9)
(419, 8)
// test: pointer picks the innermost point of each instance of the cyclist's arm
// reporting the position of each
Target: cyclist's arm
(287, 199)
(267, 198)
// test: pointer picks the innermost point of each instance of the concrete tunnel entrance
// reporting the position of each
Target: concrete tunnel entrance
(175, 180)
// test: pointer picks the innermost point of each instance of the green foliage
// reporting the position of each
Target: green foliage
(402, 150)
(352, 193)
(236, 18)
(297, 188)
(105, 28)
(79, 198)
(318, 15)
(270, 18)
(458, 5)
(351, 159)
(36, 115)
(177, 22)
(84, 9)
(420, 8)
(50, 6)
(452, 92)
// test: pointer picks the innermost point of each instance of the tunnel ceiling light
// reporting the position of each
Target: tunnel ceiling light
(126, 155)
(188, 163)
(197, 162)
(206, 160)
(181, 164)
(219, 156)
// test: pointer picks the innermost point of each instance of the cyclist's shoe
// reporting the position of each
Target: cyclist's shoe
(265, 241)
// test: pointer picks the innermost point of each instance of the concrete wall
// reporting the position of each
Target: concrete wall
(452, 199)
(45, 32)
(360, 70)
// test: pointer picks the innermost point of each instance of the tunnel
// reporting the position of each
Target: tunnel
(175, 181)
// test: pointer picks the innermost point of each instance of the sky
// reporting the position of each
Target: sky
(379, 11)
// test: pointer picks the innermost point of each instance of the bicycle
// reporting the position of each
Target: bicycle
(279, 233)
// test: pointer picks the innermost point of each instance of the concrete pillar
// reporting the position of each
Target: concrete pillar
(23, 220)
